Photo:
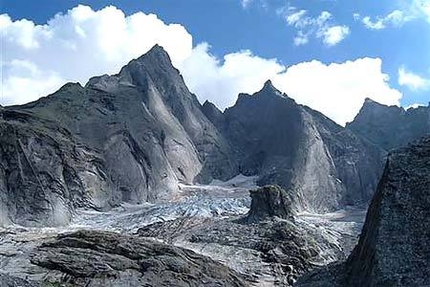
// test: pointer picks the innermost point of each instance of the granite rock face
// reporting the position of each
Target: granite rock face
(45, 173)
(130, 137)
(393, 249)
(323, 164)
(391, 126)
(92, 258)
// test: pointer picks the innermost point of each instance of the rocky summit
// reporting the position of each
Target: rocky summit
(393, 249)
(391, 127)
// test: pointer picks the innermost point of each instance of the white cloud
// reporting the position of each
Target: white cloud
(221, 81)
(333, 35)
(408, 11)
(378, 25)
(338, 90)
(395, 19)
(411, 80)
(420, 9)
(29, 88)
(295, 18)
(356, 16)
(38, 59)
(320, 27)
(301, 39)
(77, 45)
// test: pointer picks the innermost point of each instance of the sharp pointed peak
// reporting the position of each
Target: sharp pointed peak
(156, 60)
(370, 101)
(208, 103)
(270, 89)
(156, 52)
(157, 49)
(268, 85)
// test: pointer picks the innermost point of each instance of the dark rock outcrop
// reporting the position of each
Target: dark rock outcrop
(390, 126)
(269, 201)
(91, 258)
(393, 249)
(322, 163)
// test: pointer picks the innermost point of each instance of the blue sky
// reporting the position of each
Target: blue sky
(327, 54)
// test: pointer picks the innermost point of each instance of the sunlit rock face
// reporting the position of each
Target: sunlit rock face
(324, 165)
(130, 137)
(393, 249)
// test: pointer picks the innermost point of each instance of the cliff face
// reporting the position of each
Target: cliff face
(390, 126)
(132, 137)
(322, 163)
(128, 137)
(393, 249)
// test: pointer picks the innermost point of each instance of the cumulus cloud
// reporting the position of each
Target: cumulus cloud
(77, 45)
(338, 89)
(321, 27)
(221, 81)
(22, 89)
(38, 59)
(412, 81)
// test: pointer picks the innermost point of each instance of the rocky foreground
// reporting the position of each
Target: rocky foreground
(95, 258)
(259, 243)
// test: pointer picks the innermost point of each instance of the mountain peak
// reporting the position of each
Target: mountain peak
(369, 100)
(268, 86)
(157, 50)
(268, 83)
(269, 90)
(154, 62)
(156, 55)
